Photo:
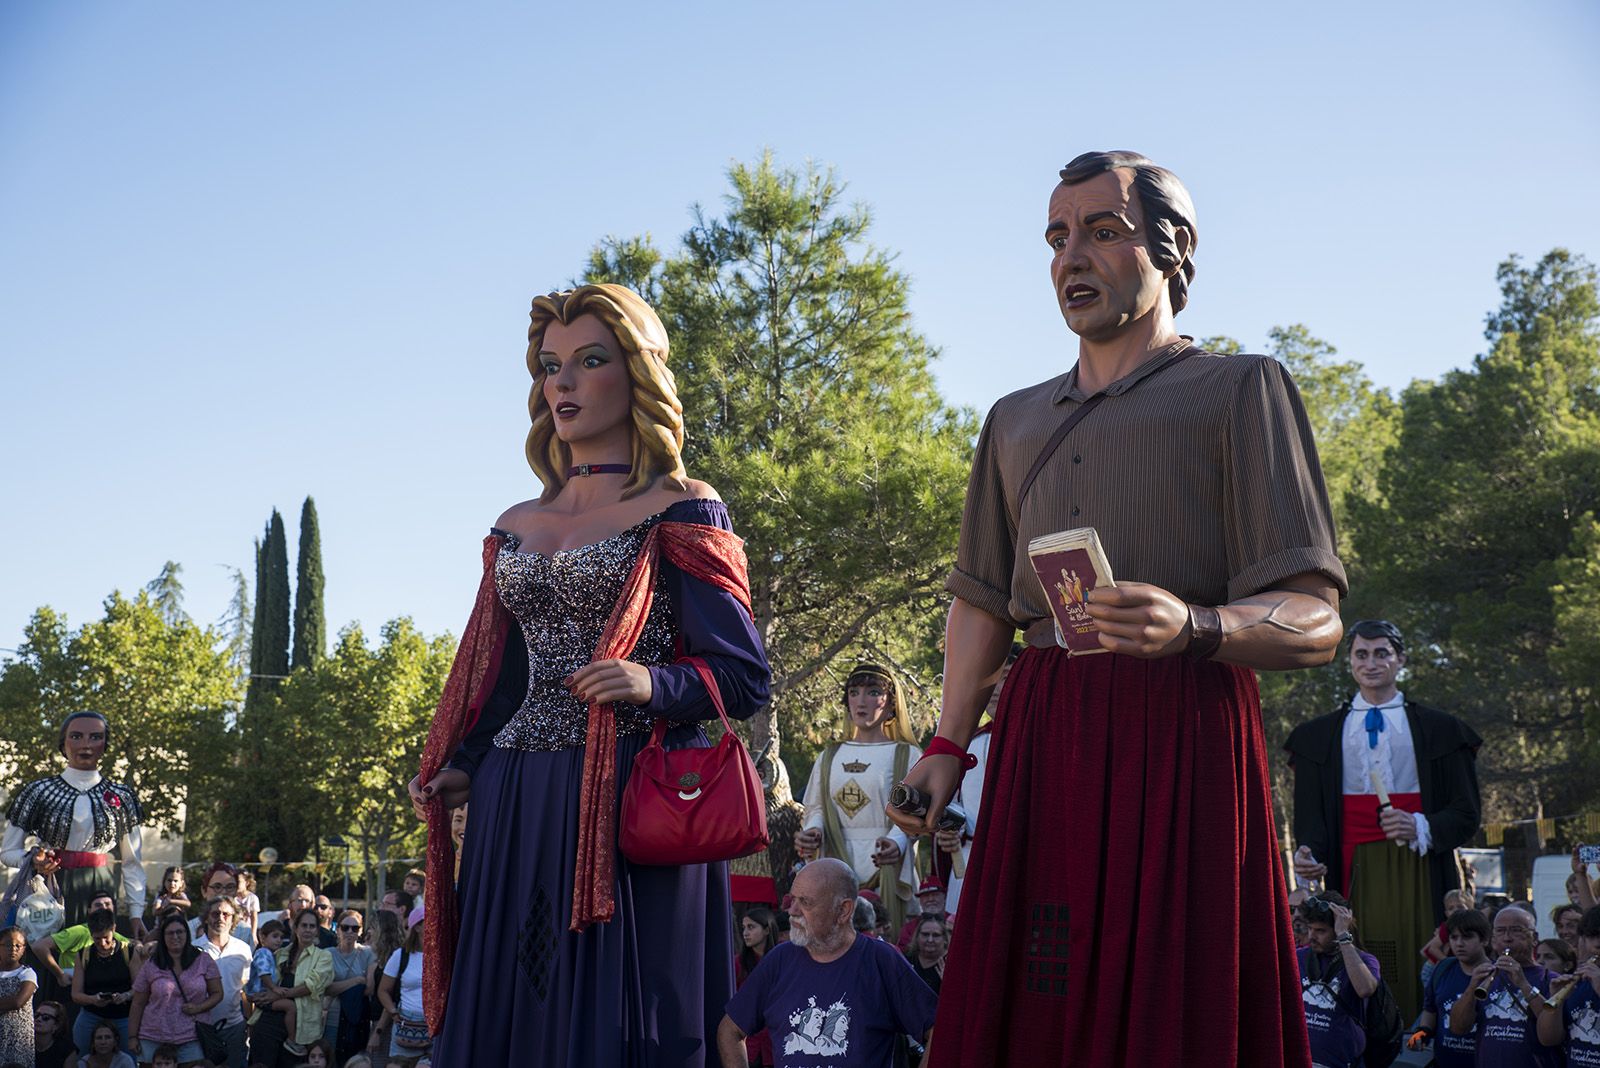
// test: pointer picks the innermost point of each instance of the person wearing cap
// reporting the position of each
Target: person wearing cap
(1395, 862)
(930, 896)
(78, 818)
(849, 789)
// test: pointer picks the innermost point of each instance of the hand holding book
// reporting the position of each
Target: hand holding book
(1096, 614)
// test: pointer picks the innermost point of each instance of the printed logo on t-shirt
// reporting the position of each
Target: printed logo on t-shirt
(1321, 995)
(1586, 1025)
(824, 1032)
(1503, 1004)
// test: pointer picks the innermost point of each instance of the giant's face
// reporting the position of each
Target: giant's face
(585, 379)
(1374, 663)
(85, 743)
(1100, 260)
(869, 704)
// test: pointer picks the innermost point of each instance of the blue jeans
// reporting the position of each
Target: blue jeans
(83, 1029)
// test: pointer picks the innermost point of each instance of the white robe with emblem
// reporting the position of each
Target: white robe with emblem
(860, 780)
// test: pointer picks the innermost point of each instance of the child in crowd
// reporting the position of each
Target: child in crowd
(165, 1056)
(174, 892)
(17, 984)
(263, 966)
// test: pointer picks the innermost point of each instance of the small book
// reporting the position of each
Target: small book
(1069, 564)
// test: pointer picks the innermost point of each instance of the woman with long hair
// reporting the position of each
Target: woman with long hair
(304, 971)
(104, 1049)
(592, 596)
(758, 932)
(400, 993)
(176, 987)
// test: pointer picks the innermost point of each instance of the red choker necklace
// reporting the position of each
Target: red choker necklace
(584, 470)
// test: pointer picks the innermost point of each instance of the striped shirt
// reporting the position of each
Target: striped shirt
(1202, 479)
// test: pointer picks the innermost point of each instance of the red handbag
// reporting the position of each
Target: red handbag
(690, 806)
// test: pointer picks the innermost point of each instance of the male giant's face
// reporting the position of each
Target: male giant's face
(1374, 663)
(1100, 263)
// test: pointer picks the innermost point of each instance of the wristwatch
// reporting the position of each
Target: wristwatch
(1345, 939)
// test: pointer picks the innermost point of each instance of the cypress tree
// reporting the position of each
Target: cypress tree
(310, 620)
(258, 630)
(274, 594)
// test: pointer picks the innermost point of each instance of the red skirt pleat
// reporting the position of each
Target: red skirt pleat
(1124, 904)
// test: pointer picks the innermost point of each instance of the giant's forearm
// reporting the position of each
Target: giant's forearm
(975, 647)
(1295, 626)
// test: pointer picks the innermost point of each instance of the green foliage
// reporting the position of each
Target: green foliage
(1482, 544)
(310, 619)
(812, 409)
(166, 686)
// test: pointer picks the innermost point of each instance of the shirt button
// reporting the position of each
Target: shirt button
(1074, 509)
(1077, 459)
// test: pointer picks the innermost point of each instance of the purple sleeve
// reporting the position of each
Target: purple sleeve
(913, 1000)
(745, 1007)
(712, 625)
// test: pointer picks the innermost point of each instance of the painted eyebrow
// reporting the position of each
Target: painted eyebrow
(593, 346)
(1114, 216)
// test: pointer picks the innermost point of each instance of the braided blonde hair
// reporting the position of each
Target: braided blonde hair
(653, 397)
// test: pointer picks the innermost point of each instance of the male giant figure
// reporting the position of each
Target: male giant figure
(1134, 783)
(1394, 863)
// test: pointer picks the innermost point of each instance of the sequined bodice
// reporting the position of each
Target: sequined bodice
(562, 602)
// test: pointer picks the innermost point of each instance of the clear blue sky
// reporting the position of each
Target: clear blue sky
(250, 252)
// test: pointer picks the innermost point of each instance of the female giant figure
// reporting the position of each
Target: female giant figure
(591, 597)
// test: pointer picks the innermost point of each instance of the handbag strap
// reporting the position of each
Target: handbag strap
(712, 690)
(1077, 416)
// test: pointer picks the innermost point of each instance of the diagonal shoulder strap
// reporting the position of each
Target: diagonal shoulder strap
(1077, 416)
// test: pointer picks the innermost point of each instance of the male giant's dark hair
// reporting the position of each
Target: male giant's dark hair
(1166, 207)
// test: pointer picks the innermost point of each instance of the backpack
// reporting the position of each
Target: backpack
(1384, 1028)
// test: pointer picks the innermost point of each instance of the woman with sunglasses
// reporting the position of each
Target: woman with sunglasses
(346, 1029)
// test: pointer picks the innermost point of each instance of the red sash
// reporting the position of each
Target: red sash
(710, 554)
(1359, 824)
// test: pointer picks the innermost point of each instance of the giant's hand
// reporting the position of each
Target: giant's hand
(938, 776)
(885, 853)
(1398, 825)
(1306, 866)
(808, 843)
(1138, 619)
(451, 786)
(611, 680)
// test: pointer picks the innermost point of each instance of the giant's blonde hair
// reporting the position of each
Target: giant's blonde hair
(653, 396)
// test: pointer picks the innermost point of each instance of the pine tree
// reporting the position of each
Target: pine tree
(310, 619)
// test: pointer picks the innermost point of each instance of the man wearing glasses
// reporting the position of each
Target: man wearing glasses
(1515, 990)
(325, 936)
(1385, 790)
(222, 1031)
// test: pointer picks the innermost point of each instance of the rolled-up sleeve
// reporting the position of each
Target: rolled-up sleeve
(986, 554)
(1277, 520)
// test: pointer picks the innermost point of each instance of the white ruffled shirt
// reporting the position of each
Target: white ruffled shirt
(1394, 758)
(14, 846)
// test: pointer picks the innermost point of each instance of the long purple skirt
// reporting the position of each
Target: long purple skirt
(645, 990)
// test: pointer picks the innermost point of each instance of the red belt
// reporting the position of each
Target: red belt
(1360, 824)
(69, 858)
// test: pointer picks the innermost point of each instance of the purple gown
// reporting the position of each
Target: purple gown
(649, 987)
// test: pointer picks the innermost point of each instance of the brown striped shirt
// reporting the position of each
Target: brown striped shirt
(1201, 478)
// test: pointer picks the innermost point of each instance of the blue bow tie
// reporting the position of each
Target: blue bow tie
(1375, 724)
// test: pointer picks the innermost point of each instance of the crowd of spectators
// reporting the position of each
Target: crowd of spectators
(217, 981)
(1493, 992)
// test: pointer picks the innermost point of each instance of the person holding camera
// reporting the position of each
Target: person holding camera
(1336, 979)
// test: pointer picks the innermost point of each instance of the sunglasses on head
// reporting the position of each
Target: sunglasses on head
(1316, 909)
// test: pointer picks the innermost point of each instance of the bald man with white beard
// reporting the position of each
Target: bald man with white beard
(828, 993)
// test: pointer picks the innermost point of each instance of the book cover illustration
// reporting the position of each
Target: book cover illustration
(1069, 564)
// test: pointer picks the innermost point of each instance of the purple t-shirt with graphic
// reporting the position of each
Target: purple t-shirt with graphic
(1334, 1011)
(1581, 1013)
(843, 1014)
(1507, 1034)
(1446, 986)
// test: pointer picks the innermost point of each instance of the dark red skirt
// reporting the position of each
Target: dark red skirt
(1125, 904)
